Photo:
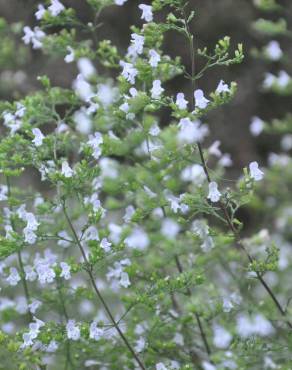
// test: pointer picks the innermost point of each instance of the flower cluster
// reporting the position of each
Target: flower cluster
(134, 240)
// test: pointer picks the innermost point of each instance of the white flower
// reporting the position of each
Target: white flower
(160, 366)
(39, 200)
(120, 2)
(90, 363)
(45, 272)
(133, 92)
(140, 345)
(156, 90)
(262, 326)
(174, 365)
(67, 170)
(269, 80)
(65, 273)
(208, 366)
(286, 144)
(147, 14)
(83, 122)
(138, 239)
(70, 57)
(84, 90)
(283, 79)
(169, 228)
(52, 347)
(29, 236)
(191, 131)
(175, 203)
(8, 232)
(21, 109)
(225, 160)
(34, 37)
(56, 8)
(95, 203)
(93, 107)
(95, 333)
(255, 325)
(105, 244)
(11, 121)
(13, 277)
(129, 212)
(34, 330)
(201, 229)
(115, 272)
(257, 125)
(124, 280)
(222, 88)
(73, 331)
(86, 68)
(154, 130)
(222, 337)
(106, 94)
(129, 71)
(194, 174)
(30, 274)
(207, 244)
(255, 172)
(38, 137)
(269, 363)
(118, 274)
(40, 12)
(31, 226)
(274, 51)
(136, 47)
(95, 142)
(64, 239)
(214, 149)
(3, 192)
(32, 223)
(34, 305)
(125, 107)
(91, 233)
(214, 194)
(179, 339)
(201, 101)
(154, 58)
(149, 192)
(181, 102)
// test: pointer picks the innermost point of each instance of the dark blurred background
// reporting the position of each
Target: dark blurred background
(214, 19)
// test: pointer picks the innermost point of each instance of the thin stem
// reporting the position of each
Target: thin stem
(19, 257)
(24, 283)
(193, 81)
(98, 293)
(197, 316)
(62, 301)
(68, 361)
(250, 258)
(206, 171)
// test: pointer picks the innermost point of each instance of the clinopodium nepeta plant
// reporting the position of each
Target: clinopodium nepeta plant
(131, 255)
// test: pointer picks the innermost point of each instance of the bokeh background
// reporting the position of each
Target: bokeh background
(214, 19)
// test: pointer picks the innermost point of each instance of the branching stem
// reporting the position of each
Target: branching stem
(207, 174)
(98, 293)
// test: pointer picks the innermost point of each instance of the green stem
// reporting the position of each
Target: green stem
(19, 257)
(98, 293)
(221, 204)
(68, 361)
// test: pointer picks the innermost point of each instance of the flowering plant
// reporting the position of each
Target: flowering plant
(131, 254)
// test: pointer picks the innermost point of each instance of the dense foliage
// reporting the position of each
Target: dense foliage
(130, 255)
